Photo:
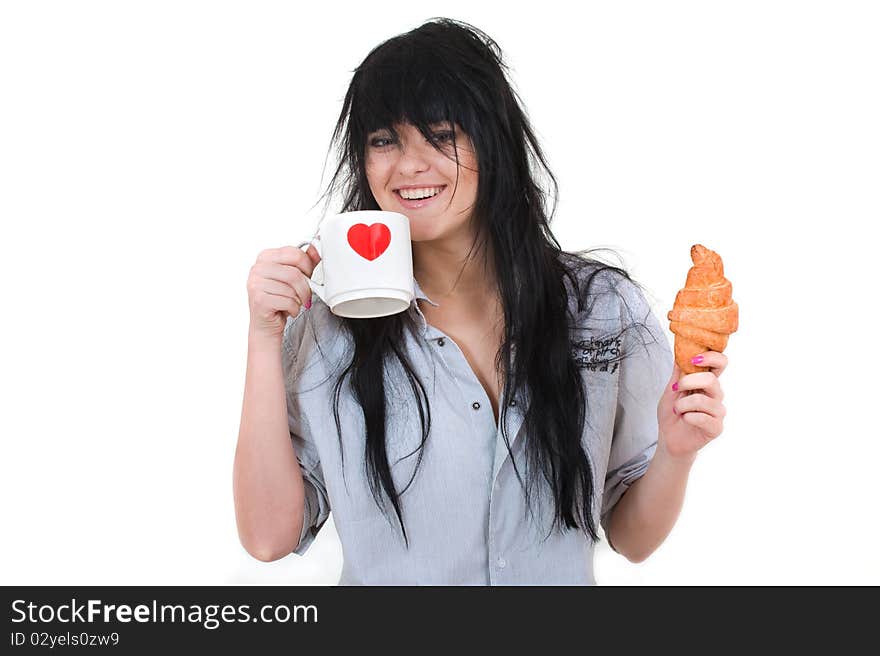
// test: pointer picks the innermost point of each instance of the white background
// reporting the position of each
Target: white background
(150, 150)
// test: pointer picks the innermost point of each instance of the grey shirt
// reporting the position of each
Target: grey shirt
(465, 512)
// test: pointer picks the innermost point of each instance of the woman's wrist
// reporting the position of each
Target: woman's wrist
(258, 341)
(676, 460)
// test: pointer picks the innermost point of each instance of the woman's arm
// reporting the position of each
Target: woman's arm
(267, 480)
(690, 414)
(648, 510)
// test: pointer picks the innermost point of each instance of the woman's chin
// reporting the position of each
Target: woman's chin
(422, 230)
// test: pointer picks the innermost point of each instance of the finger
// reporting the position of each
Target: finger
(672, 386)
(673, 378)
(673, 391)
(282, 272)
(709, 425)
(313, 253)
(700, 403)
(279, 288)
(289, 277)
(706, 382)
(284, 304)
(290, 256)
(303, 291)
(714, 360)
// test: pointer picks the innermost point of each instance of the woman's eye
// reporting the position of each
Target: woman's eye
(442, 137)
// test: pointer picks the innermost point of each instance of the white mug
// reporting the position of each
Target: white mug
(366, 264)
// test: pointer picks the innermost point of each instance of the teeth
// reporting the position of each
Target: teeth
(415, 194)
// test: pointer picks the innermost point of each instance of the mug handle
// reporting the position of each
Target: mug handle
(318, 288)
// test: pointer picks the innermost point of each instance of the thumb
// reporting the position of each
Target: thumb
(675, 377)
(313, 254)
(665, 407)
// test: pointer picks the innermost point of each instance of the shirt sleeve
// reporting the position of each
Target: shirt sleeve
(645, 367)
(316, 502)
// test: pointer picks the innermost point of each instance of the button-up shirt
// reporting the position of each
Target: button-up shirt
(465, 511)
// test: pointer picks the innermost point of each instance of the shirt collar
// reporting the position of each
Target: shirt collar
(419, 294)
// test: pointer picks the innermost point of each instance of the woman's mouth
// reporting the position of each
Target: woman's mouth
(413, 203)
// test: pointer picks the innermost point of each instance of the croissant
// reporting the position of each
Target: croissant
(704, 314)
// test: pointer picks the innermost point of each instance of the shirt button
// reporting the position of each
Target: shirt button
(475, 405)
(513, 403)
(502, 563)
(441, 341)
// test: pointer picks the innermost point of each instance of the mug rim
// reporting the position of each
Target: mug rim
(371, 212)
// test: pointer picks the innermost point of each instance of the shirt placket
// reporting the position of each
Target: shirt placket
(483, 422)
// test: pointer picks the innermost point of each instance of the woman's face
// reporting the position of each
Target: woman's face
(412, 167)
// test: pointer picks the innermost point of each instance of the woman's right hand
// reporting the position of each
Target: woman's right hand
(277, 287)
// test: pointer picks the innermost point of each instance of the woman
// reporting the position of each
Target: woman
(477, 437)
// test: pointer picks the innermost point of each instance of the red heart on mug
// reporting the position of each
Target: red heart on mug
(369, 241)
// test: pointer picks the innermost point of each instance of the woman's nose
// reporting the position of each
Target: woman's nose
(414, 158)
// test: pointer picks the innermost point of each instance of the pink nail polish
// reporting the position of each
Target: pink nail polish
(697, 360)
(309, 304)
(674, 387)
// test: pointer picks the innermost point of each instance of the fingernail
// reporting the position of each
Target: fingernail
(674, 387)
(309, 304)
(697, 360)
(675, 411)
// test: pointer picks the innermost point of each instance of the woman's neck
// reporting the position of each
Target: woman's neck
(445, 273)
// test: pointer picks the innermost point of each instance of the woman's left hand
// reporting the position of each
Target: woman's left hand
(691, 415)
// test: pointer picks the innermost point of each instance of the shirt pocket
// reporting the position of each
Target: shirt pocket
(596, 351)
(597, 347)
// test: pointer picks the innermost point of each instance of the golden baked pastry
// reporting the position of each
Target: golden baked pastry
(704, 314)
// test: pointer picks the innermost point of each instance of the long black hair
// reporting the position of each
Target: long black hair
(447, 70)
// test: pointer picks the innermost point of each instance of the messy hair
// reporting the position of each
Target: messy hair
(449, 71)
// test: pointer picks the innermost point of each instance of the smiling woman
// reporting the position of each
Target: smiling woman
(432, 178)
(465, 448)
